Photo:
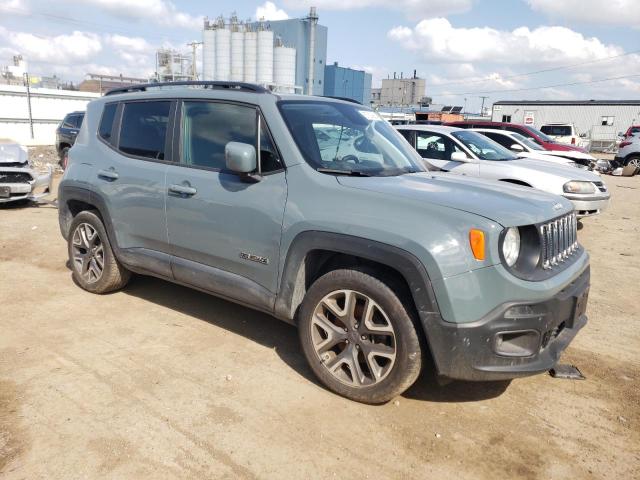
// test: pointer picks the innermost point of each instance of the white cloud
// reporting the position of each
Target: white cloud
(160, 12)
(612, 12)
(60, 49)
(132, 44)
(9, 7)
(269, 11)
(436, 39)
(423, 8)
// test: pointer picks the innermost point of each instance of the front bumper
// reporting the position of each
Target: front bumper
(492, 348)
(588, 206)
(38, 187)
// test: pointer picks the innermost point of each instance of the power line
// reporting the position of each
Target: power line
(442, 94)
(545, 70)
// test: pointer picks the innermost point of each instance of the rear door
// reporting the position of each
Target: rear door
(225, 232)
(436, 149)
(130, 179)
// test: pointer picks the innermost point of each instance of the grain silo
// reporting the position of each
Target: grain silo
(284, 66)
(250, 56)
(265, 56)
(223, 51)
(237, 51)
(208, 51)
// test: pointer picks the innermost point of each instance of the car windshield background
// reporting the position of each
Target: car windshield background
(540, 135)
(143, 129)
(336, 136)
(434, 146)
(484, 148)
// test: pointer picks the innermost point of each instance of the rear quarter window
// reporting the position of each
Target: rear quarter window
(106, 122)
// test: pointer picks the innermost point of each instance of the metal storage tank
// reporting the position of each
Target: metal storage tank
(237, 56)
(250, 56)
(265, 56)
(284, 66)
(223, 54)
(208, 54)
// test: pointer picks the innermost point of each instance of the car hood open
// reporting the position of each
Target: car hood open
(507, 204)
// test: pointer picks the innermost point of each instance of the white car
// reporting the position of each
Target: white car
(523, 147)
(564, 133)
(18, 180)
(466, 152)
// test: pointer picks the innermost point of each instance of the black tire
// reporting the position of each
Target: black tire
(633, 158)
(64, 157)
(408, 352)
(113, 276)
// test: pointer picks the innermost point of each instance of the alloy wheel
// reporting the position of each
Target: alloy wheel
(353, 338)
(635, 162)
(88, 252)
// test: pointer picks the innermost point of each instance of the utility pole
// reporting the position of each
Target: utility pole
(194, 70)
(27, 82)
(482, 107)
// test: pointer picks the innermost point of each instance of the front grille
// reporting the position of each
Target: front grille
(15, 177)
(559, 240)
(601, 186)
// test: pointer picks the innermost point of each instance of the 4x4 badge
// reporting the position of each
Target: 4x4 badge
(254, 258)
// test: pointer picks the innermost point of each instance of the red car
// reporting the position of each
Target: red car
(525, 130)
(632, 130)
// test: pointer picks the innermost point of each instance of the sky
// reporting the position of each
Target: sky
(502, 49)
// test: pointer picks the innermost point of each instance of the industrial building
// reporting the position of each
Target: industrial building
(347, 83)
(98, 83)
(285, 55)
(173, 66)
(599, 120)
(400, 91)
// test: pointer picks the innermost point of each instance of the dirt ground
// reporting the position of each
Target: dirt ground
(158, 381)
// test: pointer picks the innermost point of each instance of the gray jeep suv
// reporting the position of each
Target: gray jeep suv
(318, 212)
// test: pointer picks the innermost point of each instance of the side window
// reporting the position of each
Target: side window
(68, 121)
(77, 121)
(207, 127)
(409, 135)
(503, 140)
(106, 122)
(435, 146)
(143, 129)
(269, 159)
(607, 121)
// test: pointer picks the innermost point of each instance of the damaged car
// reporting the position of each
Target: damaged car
(18, 179)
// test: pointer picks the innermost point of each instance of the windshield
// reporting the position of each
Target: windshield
(484, 148)
(348, 138)
(527, 141)
(539, 134)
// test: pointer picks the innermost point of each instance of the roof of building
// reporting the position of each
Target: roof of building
(568, 102)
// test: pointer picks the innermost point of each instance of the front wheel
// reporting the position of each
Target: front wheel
(635, 161)
(358, 337)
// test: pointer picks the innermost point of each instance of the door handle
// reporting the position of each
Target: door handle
(182, 190)
(108, 174)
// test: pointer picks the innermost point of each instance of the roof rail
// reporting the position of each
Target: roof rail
(142, 87)
(344, 99)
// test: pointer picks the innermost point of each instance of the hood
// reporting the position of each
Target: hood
(12, 153)
(559, 170)
(563, 147)
(570, 154)
(509, 205)
(537, 155)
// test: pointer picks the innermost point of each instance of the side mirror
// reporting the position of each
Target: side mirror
(516, 147)
(459, 157)
(241, 158)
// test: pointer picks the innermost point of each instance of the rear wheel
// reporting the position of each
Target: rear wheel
(358, 337)
(635, 161)
(94, 266)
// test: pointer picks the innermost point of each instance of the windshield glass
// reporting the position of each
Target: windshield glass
(484, 148)
(348, 138)
(527, 141)
(540, 135)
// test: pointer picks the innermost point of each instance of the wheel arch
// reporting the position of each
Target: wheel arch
(312, 254)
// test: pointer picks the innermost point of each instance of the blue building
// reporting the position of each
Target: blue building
(299, 33)
(348, 83)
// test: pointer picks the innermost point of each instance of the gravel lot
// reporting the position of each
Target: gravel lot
(158, 381)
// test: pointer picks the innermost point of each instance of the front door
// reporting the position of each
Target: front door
(224, 231)
(436, 149)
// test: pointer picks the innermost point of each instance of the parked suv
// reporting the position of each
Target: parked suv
(527, 131)
(66, 134)
(564, 133)
(318, 212)
(629, 152)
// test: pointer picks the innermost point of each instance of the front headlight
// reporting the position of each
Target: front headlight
(511, 246)
(575, 186)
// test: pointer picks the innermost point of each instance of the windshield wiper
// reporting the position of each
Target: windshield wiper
(336, 171)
